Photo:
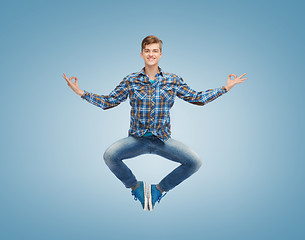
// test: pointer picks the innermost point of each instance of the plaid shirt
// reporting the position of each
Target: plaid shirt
(151, 102)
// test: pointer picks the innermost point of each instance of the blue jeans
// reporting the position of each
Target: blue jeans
(171, 149)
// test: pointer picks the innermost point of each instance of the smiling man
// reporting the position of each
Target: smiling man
(152, 93)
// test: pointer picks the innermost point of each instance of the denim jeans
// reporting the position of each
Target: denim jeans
(171, 149)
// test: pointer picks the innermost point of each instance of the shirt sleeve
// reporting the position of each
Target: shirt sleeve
(198, 98)
(118, 95)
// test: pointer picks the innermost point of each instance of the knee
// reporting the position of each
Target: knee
(115, 152)
(198, 164)
(108, 156)
(195, 164)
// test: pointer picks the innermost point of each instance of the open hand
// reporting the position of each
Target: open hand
(73, 85)
(231, 83)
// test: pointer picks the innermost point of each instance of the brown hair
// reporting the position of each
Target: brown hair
(149, 40)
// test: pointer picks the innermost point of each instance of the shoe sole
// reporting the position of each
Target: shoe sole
(145, 197)
(150, 207)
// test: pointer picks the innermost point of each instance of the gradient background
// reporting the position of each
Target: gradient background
(54, 182)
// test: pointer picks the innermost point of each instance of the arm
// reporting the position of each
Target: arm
(198, 98)
(118, 95)
(201, 98)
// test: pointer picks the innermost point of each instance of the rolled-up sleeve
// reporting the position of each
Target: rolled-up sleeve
(118, 95)
(198, 98)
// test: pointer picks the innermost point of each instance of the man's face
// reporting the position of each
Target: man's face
(151, 54)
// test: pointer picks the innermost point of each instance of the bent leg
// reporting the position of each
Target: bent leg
(125, 148)
(178, 152)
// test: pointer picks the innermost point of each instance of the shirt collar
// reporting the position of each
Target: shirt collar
(143, 73)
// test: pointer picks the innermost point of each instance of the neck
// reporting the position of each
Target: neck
(151, 71)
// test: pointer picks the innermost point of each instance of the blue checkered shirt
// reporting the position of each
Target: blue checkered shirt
(151, 101)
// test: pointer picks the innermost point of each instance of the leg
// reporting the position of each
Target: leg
(178, 152)
(125, 148)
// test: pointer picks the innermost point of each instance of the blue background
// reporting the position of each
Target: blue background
(54, 182)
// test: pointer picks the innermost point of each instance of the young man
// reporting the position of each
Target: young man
(152, 93)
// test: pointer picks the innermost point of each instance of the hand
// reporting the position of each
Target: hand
(231, 83)
(73, 85)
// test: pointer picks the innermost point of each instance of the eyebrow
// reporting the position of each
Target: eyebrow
(152, 49)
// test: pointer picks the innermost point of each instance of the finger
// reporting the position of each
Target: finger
(65, 77)
(72, 78)
(231, 76)
(242, 75)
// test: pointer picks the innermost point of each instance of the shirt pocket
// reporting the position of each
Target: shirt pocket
(138, 92)
(167, 92)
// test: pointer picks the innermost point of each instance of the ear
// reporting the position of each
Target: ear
(141, 54)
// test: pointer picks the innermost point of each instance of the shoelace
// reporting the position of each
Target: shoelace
(133, 194)
(159, 199)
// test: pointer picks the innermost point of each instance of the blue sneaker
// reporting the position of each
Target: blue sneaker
(140, 194)
(154, 195)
